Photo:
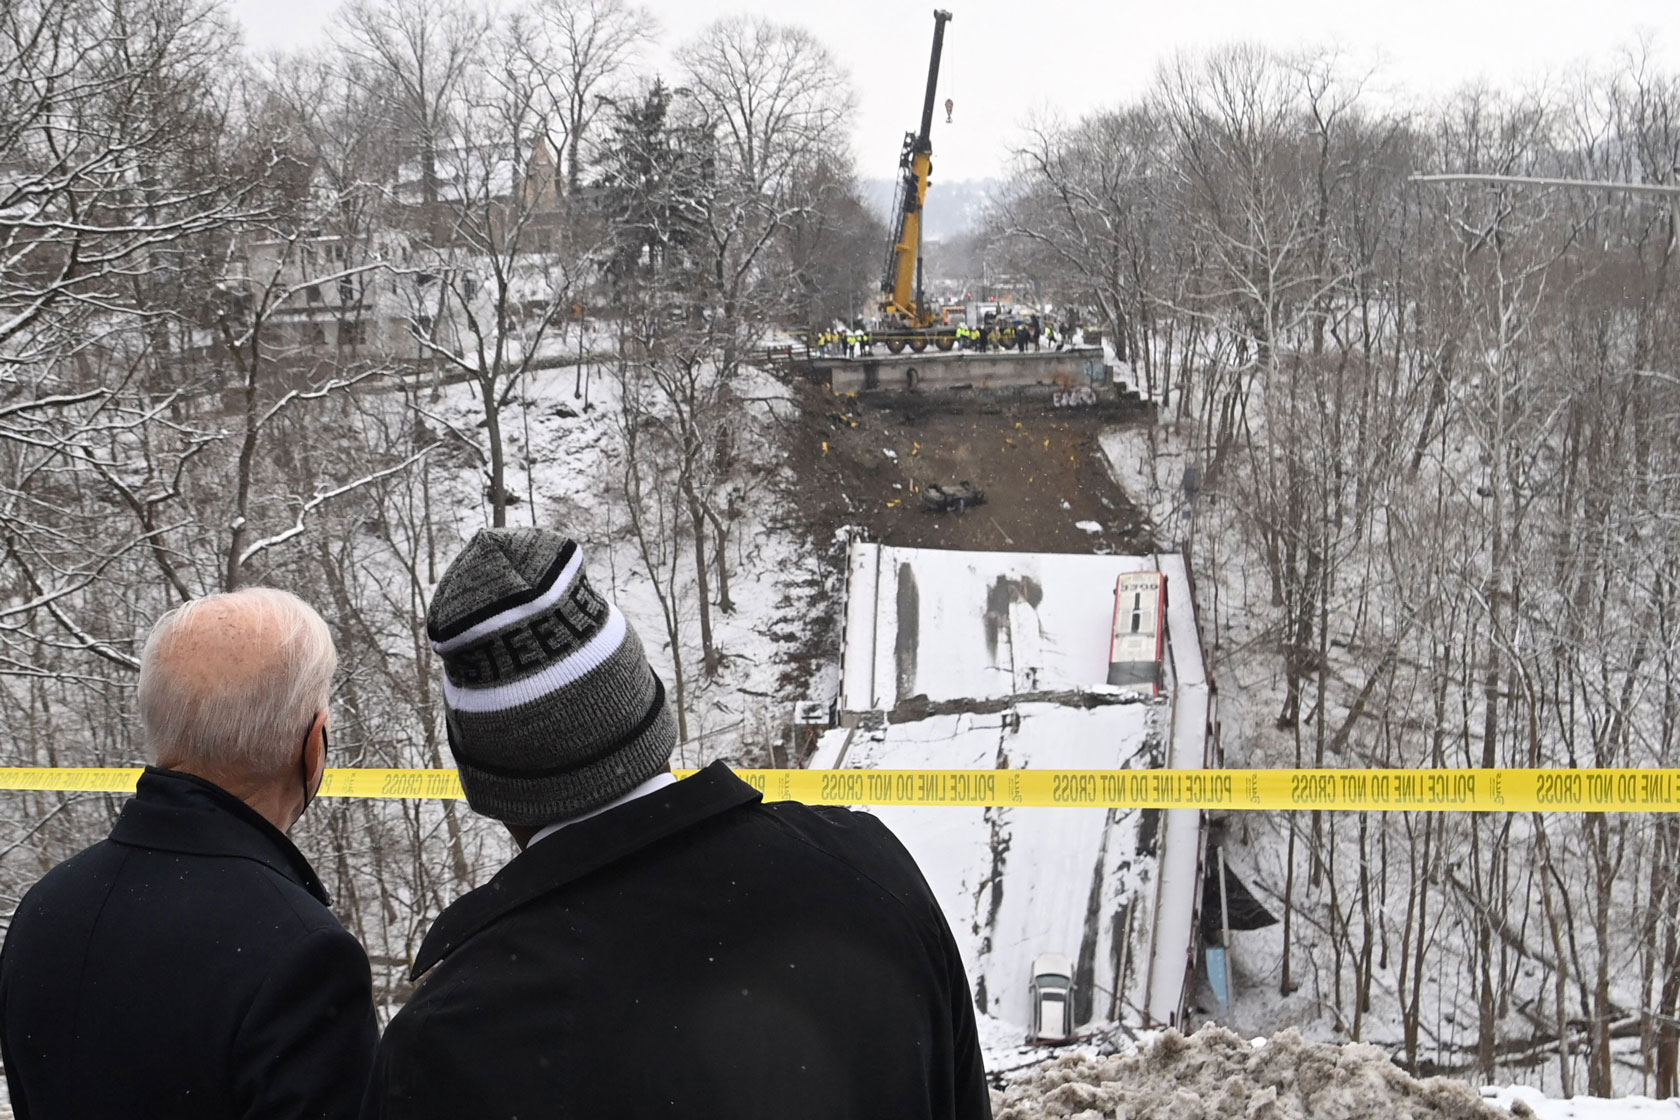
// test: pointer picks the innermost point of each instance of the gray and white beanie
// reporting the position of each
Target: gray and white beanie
(551, 705)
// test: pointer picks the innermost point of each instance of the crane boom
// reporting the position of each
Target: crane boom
(924, 139)
(901, 285)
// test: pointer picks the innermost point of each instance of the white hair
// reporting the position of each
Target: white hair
(255, 724)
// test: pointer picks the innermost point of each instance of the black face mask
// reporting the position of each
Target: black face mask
(303, 766)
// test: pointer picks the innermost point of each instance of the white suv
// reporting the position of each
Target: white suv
(1052, 999)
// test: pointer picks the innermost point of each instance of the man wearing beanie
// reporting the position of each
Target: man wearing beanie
(658, 948)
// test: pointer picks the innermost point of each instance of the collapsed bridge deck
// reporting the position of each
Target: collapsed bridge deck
(997, 661)
(1077, 368)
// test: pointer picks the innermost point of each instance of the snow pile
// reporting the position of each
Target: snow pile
(1215, 1073)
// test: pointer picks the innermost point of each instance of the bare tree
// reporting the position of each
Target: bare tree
(1085, 204)
(412, 57)
(774, 99)
(485, 299)
(579, 52)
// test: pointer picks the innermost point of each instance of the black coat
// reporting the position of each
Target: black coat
(186, 967)
(692, 953)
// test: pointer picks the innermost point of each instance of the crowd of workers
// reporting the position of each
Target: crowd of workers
(994, 332)
(854, 341)
(1017, 333)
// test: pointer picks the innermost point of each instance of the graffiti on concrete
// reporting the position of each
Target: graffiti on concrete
(1081, 397)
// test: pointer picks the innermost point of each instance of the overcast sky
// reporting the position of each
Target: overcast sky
(1007, 60)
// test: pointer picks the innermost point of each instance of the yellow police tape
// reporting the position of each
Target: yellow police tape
(1509, 791)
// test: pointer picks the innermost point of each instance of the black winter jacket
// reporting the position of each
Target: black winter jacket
(185, 968)
(692, 953)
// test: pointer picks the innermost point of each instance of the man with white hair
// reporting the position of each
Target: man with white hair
(188, 965)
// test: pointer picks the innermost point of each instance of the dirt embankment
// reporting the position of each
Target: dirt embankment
(863, 461)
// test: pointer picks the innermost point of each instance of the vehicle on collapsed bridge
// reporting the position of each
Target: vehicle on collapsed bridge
(1137, 639)
(952, 498)
(1052, 999)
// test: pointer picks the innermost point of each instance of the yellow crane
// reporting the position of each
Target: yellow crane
(906, 318)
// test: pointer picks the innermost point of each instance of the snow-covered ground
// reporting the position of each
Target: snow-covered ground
(1151, 466)
(565, 465)
(1581, 1108)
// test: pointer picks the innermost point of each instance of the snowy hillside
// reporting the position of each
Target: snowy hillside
(1426, 935)
(567, 464)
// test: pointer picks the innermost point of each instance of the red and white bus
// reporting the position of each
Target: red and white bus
(1137, 640)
